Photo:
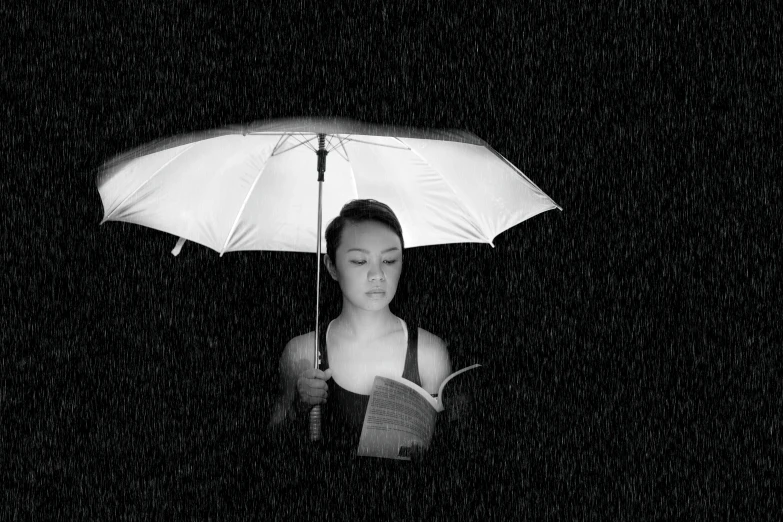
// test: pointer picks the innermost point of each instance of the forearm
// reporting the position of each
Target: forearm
(285, 411)
(288, 413)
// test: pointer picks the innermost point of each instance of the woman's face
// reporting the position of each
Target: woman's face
(368, 264)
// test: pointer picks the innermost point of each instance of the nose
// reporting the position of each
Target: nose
(376, 273)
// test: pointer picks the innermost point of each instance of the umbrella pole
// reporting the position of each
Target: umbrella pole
(315, 412)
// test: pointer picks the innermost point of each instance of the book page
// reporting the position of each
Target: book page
(396, 417)
(456, 397)
(447, 379)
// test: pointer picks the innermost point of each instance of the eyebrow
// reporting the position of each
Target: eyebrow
(367, 251)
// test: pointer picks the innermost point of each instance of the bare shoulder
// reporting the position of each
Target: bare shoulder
(434, 360)
(299, 344)
(431, 342)
(297, 355)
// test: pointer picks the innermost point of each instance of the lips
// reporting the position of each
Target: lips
(376, 291)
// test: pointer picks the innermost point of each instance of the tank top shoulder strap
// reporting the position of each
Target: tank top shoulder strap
(324, 364)
(411, 371)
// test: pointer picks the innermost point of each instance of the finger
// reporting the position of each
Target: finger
(323, 375)
(313, 391)
(304, 380)
(318, 394)
(313, 396)
(317, 384)
(315, 373)
(310, 373)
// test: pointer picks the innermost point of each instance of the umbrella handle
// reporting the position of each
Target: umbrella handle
(315, 423)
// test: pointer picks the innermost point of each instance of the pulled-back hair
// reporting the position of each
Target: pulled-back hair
(358, 211)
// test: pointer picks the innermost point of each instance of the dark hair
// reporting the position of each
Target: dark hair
(358, 211)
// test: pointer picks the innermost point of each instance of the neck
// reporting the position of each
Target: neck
(365, 325)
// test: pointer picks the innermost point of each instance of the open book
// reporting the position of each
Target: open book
(401, 413)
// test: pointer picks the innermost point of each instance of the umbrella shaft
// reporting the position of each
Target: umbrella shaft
(318, 276)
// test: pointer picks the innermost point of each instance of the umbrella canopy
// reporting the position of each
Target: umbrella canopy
(252, 187)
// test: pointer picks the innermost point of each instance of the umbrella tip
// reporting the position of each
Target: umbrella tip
(178, 247)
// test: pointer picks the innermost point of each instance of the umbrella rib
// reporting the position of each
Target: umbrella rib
(242, 209)
(521, 174)
(473, 221)
(342, 145)
(145, 182)
(378, 144)
(306, 141)
(336, 148)
(353, 177)
(276, 152)
(340, 140)
(283, 138)
(282, 133)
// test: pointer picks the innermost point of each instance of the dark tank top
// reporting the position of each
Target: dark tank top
(343, 413)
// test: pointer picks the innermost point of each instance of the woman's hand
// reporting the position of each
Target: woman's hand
(312, 387)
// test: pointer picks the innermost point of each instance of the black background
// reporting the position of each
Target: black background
(631, 339)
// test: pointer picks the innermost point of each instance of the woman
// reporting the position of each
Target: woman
(364, 254)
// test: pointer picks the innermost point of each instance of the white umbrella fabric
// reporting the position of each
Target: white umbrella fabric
(251, 188)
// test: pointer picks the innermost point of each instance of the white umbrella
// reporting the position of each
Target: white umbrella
(251, 187)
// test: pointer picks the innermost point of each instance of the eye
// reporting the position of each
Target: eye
(391, 261)
(358, 262)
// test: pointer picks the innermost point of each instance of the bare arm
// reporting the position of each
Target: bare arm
(434, 361)
(299, 381)
(284, 403)
(293, 362)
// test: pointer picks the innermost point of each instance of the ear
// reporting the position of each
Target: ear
(330, 267)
